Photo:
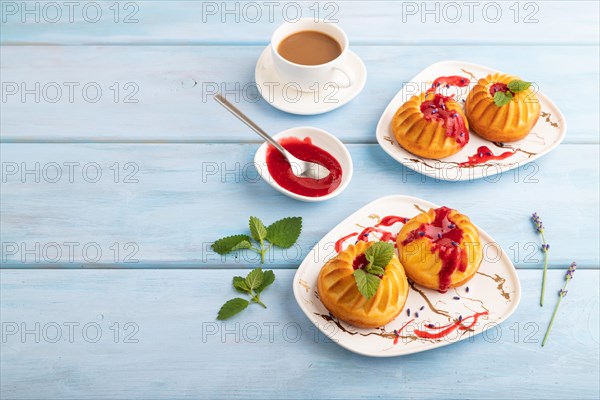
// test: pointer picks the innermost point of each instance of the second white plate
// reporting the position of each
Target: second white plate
(545, 136)
(489, 298)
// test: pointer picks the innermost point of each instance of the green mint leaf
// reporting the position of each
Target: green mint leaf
(268, 278)
(380, 254)
(257, 229)
(375, 270)
(285, 232)
(518, 86)
(231, 243)
(502, 98)
(254, 278)
(367, 283)
(244, 244)
(240, 285)
(232, 307)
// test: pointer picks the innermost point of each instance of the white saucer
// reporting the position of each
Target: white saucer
(306, 103)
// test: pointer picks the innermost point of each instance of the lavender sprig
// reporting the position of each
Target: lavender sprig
(561, 293)
(539, 227)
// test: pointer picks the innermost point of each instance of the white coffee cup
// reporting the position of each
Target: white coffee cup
(310, 78)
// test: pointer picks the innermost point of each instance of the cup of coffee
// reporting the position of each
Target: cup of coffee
(310, 54)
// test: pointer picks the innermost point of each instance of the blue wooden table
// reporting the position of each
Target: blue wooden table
(119, 171)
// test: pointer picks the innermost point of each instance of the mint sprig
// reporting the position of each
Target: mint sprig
(232, 307)
(367, 283)
(283, 233)
(502, 98)
(368, 278)
(231, 243)
(253, 284)
(379, 254)
(268, 279)
(518, 86)
(257, 229)
(375, 270)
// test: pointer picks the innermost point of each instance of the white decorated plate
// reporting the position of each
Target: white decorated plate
(545, 135)
(493, 293)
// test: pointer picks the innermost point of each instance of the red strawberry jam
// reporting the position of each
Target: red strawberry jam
(445, 239)
(436, 110)
(483, 155)
(360, 262)
(499, 87)
(448, 81)
(281, 170)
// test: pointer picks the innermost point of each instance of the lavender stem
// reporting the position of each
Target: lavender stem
(553, 316)
(545, 269)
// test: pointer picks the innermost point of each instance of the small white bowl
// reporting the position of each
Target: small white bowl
(320, 138)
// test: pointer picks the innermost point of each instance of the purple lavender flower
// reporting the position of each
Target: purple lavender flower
(539, 227)
(562, 293)
(537, 222)
(571, 270)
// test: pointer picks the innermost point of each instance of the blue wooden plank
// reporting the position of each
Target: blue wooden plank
(372, 22)
(180, 203)
(169, 202)
(182, 352)
(164, 93)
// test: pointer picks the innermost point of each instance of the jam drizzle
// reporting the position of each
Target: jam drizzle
(364, 235)
(448, 81)
(443, 331)
(483, 155)
(397, 332)
(391, 220)
(340, 241)
(445, 238)
(385, 235)
(436, 110)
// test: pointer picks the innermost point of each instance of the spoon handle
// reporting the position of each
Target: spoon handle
(242, 117)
